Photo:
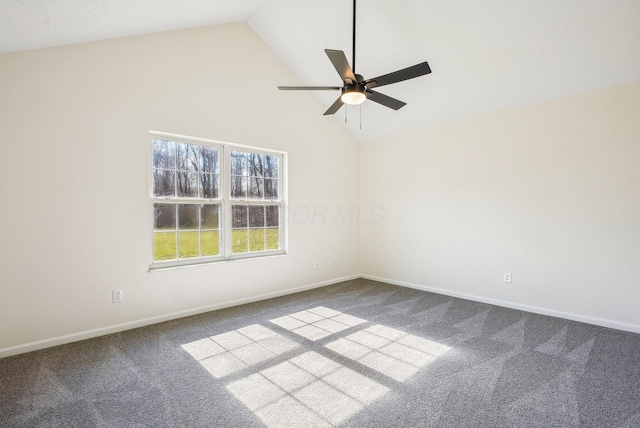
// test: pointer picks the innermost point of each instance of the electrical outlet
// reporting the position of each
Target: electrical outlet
(316, 265)
(507, 277)
(335, 261)
(117, 296)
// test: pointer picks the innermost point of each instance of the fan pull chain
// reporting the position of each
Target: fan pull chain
(346, 108)
(361, 117)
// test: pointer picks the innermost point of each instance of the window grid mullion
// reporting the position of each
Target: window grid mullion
(200, 231)
(225, 177)
(177, 213)
(264, 226)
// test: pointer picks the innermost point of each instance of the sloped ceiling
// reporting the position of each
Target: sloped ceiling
(486, 56)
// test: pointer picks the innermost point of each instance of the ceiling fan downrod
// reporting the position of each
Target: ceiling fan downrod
(353, 60)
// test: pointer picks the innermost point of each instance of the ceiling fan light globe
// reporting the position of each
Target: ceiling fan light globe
(353, 98)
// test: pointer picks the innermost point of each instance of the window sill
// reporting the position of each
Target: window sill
(162, 266)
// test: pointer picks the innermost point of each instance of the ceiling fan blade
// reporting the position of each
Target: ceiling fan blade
(309, 88)
(385, 100)
(334, 107)
(398, 76)
(339, 61)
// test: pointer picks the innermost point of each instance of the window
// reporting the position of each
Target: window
(214, 201)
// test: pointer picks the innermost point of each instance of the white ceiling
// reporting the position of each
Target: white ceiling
(486, 56)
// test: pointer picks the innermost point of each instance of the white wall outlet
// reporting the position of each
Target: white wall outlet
(335, 261)
(117, 296)
(316, 265)
(507, 277)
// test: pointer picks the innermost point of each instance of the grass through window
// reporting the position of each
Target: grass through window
(190, 244)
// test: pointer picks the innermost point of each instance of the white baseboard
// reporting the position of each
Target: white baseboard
(88, 334)
(543, 311)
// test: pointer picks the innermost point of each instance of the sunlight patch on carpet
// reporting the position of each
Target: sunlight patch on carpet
(230, 352)
(310, 389)
(306, 390)
(317, 323)
(388, 351)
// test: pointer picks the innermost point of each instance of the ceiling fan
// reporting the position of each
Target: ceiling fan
(356, 89)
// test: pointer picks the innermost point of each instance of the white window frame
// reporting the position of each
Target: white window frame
(224, 199)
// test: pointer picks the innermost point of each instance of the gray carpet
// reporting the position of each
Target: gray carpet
(358, 354)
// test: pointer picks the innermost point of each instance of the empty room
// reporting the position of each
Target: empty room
(313, 213)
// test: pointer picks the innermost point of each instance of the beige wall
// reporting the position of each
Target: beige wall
(549, 193)
(74, 179)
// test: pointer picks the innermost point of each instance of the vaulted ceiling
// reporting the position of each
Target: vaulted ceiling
(486, 56)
